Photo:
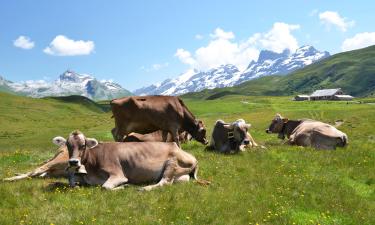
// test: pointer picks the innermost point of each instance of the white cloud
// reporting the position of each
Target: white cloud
(360, 40)
(279, 38)
(155, 67)
(185, 57)
(221, 34)
(23, 42)
(331, 18)
(198, 36)
(222, 49)
(63, 46)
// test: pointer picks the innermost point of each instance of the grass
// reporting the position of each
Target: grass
(279, 185)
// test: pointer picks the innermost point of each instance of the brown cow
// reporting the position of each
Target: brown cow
(308, 133)
(54, 167)
(114, 164)
(156, 136)
(230, 137)
(146, 114)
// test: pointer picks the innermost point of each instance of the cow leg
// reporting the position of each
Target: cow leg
(175, 136)
(114, 182)
(164, 135)
(183, 178)
(252, 142)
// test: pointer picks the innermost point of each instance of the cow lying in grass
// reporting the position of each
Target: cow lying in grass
(231, 137)
(54, 167)
(114, 164)
(308, 133)
(156, 136)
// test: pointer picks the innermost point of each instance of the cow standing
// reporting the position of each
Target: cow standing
(114, 164)
(231, 137)
(308, 133)
(146, 114)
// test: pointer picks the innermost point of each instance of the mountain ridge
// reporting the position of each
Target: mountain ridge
(268, 63)
(353, 71)
(68, 83)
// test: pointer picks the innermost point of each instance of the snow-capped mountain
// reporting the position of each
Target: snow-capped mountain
(268, 63)
(70, 83)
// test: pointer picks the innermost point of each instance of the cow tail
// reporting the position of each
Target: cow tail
(194, 175)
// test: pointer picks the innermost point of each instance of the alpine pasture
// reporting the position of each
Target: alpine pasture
(278, 185)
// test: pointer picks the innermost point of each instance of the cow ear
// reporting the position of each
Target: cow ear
(247, 126)
(91, 142)
(285, 120)
(59, 141)
(228, 126)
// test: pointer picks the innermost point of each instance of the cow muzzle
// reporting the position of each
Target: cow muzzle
(74, 163)
(246, 142)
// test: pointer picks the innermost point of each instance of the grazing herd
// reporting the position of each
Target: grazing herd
(148, 132)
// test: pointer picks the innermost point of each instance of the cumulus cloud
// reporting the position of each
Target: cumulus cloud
(185, 57)
(23, 42)
(222, 49)
(63, 46)
(360, 40)
(331, 18)
(279, 37)
(221, 34)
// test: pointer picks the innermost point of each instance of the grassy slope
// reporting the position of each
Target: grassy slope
(280, 185)
(353, 71)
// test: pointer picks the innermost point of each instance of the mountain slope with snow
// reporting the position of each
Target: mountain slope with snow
(70, 83)
(268, 63)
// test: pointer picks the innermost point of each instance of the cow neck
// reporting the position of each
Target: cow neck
(190, 124)
(289, 127)
(87, 157)
(233, 143)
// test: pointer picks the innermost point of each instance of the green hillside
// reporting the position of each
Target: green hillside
(84, 101)
(352, 71)
(278, 185)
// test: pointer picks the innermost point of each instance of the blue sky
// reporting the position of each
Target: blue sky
(137, 43)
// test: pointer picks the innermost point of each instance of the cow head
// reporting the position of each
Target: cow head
(238, 132)
(76, 143)
(116, 136)
(200, 134)
(277, 124)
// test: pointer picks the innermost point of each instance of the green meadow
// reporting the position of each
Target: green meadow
(278, 185)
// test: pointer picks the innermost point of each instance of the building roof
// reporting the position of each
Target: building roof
(325, 92)
(344, 96)
(303, 96)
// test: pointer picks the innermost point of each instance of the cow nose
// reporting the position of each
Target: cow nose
(246, 142)
(73, 162)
